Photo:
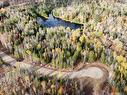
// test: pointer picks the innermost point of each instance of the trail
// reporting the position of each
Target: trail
(92, 71)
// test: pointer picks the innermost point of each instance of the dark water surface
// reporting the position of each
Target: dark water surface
(56, 22)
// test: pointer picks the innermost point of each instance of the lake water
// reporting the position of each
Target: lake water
(56, 22)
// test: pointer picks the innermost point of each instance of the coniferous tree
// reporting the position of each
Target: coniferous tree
(103, 57)
(91, 57)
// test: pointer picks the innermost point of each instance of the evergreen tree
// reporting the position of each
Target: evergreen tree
(91, 56)
(103, 57)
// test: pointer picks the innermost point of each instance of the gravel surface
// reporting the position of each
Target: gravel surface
(93, 72)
